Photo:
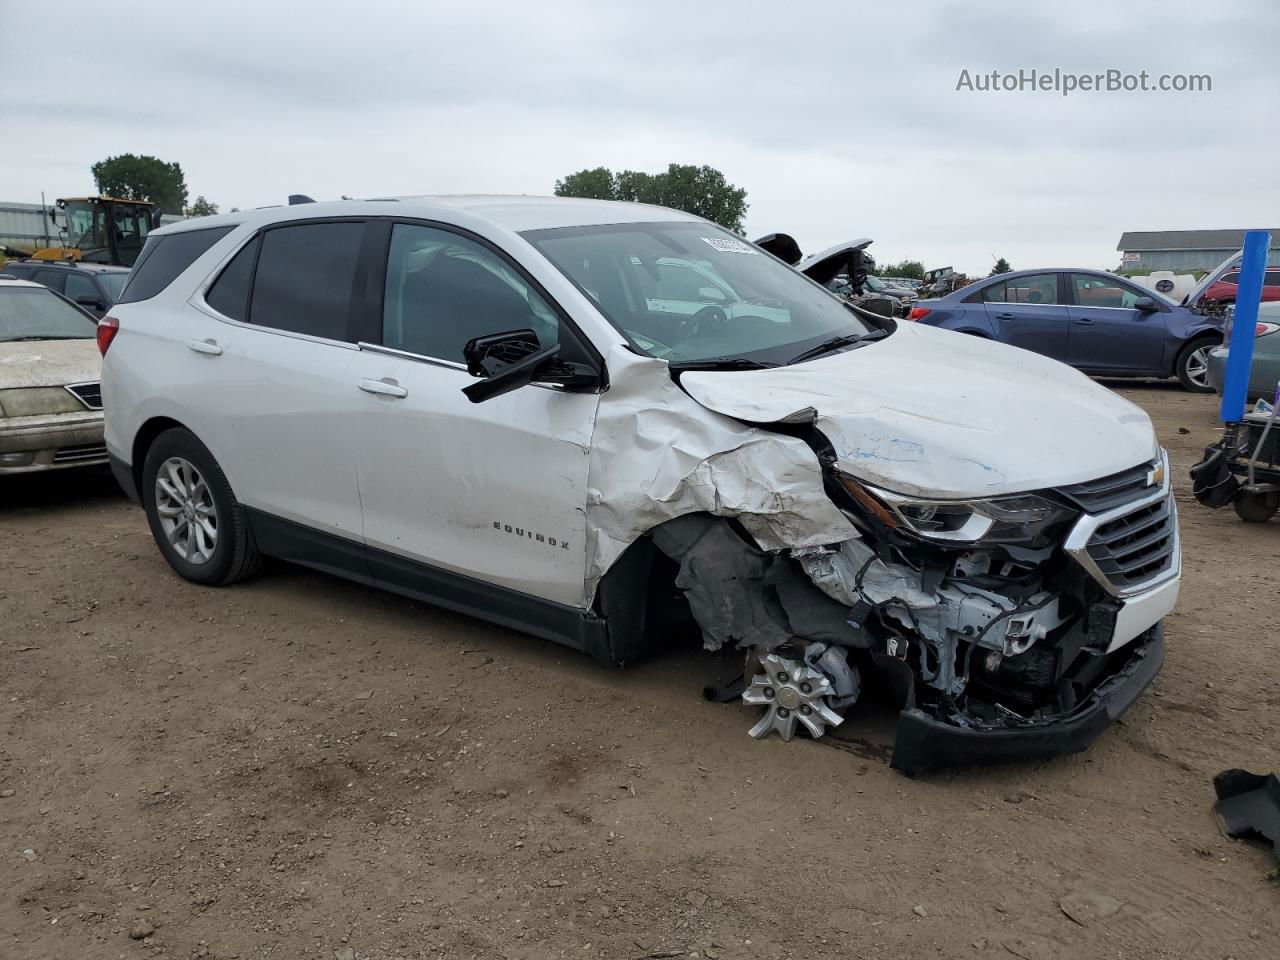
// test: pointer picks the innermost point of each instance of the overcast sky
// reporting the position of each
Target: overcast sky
(839, 120)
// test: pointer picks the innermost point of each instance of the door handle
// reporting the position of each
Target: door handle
(386, 387)
(1083, 321)
(1004, 316)
(208, 347)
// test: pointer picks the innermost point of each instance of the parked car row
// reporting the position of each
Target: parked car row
(1097, 322)
(93, 286)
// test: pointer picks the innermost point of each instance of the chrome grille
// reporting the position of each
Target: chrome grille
(1107, 493)
(1137, 546)
(81, 454)
(90, 394)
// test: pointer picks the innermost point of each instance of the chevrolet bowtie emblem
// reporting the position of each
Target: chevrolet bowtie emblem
(1156, 477)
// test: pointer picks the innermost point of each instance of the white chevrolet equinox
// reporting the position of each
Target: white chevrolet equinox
(592, 420)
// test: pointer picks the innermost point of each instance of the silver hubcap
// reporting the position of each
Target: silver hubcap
(187, 515)
(1198, 367)
(791, 691)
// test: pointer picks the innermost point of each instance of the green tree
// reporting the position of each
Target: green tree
(597, 184)
(910, 269)
(202, 208)
(702, 191)
(1002, 266)
(132, 177)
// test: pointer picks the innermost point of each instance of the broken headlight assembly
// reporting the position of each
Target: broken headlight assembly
(1018, 518)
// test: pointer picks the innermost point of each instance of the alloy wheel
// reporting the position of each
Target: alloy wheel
(187, 513)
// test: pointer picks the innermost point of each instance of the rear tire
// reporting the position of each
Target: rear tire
(1255, 507)
(1192, 365)
(195, 518)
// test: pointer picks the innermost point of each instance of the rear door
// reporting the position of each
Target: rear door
(275, 373)
(1027, 311)
(82, 289)
(1107, 333)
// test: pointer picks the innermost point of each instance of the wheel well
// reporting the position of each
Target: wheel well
(142, 441)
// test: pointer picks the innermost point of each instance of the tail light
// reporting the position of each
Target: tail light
(1265, 327)
(108, 327)
(918, 313)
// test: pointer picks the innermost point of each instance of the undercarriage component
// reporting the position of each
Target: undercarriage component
(792, 691)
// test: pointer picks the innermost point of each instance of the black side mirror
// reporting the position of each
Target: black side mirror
(156, 214)
(1145, 304)
(511, 360)
(90, 301)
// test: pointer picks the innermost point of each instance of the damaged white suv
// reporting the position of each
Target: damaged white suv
(578, 417)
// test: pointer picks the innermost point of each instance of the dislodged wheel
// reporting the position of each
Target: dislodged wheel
(790, 691)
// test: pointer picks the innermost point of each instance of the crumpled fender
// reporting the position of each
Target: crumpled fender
(656, 454)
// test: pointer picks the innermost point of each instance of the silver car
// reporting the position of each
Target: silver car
(50, 394)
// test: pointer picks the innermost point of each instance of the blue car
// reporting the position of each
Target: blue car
(1097, 322)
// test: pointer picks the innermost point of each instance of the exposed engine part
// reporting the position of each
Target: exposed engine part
(742, 596)
(957, 610)
(800, 690)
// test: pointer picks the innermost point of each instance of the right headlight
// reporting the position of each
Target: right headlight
(37, 401)
(1019, 517)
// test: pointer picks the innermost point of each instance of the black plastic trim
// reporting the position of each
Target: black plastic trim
(924, 744)
(329, 553)
(123, 473)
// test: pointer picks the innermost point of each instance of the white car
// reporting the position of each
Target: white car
(50, 399)
(474, 401)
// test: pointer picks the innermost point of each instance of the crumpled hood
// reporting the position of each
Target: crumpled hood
(49, 363)
(930, 412)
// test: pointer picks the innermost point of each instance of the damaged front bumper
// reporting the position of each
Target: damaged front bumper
(924, 743)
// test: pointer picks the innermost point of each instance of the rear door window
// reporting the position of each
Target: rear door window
(166, 256)
(306, 277)
(1040, 288)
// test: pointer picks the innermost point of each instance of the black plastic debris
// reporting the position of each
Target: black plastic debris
(1248, 806)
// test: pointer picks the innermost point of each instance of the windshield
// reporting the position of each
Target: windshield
(690, 292)
(34, 313)
(113, 283)
(875, 283)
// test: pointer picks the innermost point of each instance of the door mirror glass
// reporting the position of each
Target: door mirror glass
(1145, 304)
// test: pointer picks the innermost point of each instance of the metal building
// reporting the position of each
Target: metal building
(1184, 251)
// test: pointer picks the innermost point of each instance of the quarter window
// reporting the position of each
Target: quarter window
(1094, 291)
(229, 294)
(305, 279)
(164, 257)
(443, 289)
(1040, 288)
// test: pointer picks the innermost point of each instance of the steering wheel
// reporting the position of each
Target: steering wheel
(714, 316)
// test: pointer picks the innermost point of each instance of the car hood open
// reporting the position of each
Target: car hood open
(933, 413)
(49, 363)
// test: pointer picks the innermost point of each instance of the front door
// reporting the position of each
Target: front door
(495, 491)
(1108, 333)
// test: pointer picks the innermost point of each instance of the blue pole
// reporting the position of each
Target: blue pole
(1253, 264)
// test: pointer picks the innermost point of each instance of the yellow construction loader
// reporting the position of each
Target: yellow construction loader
(100, 229)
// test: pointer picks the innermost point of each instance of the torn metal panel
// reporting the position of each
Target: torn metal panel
(657, 454)
(991, 419)
(742, 596)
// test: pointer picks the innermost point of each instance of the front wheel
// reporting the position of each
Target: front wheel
(196, 520)
(1192, 367)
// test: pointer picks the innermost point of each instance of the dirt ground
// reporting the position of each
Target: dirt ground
(299, 767)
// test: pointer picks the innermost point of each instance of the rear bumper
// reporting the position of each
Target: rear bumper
(1263, 374)
(924, 744)
(54, 442)
(123, 473)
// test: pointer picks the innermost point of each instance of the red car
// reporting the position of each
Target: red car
(1223, 290)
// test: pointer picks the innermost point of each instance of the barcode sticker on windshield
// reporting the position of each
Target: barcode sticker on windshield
(725, 245)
